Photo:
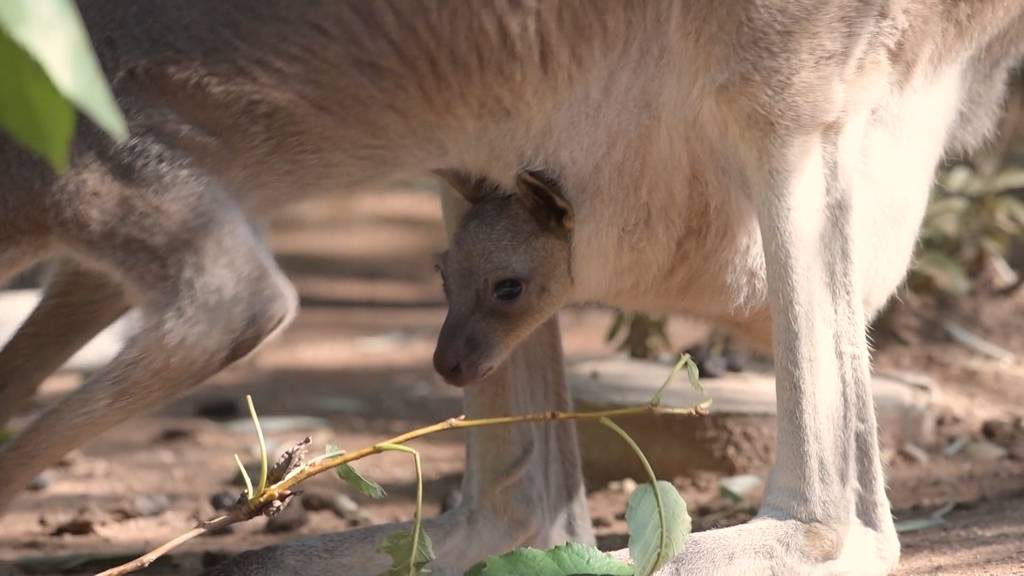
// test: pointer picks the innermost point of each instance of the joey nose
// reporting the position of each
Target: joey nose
(448, 366)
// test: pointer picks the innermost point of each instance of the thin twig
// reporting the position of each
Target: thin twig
(257, 504)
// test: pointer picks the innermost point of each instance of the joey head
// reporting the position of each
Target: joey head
(507, 270)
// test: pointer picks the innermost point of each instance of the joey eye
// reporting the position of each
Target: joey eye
(507, 290)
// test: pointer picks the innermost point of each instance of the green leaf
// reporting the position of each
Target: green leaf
(349, 474)
(399, 547)
(32, 111)
(943, 271)
(566, 560)
(53, 33)
(693, 375)
(650, 546)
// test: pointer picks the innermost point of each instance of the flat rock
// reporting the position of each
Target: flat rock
(737, 436)
(985, 451)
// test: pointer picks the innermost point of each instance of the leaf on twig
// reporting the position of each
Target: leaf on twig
(565, 560)
(399, 547)
(651, 545)
(353, 478)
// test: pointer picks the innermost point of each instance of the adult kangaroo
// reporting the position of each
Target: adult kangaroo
(787, 143)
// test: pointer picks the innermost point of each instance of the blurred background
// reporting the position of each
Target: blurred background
(355, 368)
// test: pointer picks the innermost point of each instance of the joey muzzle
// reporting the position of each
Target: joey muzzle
(460, 355)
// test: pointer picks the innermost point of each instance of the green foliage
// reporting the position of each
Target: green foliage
(349, 474)
(972, 219)
(412, 551)
(49, 65)
(31, 109)
(410, 556)
(658, 526)
(566, 560)
(641, 335)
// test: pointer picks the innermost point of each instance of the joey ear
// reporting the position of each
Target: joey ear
(545, 200)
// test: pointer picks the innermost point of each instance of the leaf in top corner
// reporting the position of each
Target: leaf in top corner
(52, 32)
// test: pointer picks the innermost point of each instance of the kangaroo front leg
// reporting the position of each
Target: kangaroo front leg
(825, 511)
(76, 304)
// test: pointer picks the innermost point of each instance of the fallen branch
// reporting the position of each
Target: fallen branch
(275, 494)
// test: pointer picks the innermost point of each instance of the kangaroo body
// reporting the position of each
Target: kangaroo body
(767, 162)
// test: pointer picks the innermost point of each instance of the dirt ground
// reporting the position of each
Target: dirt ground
(355, 368)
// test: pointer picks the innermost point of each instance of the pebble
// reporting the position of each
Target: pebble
(985, 451)
(223, 500)
(625, 486)
(915, 453)
(997, 430)
(148, 505)
(219, 409)
(741, 486)
(346, 507)
(42, 481)
(78, 526)
(175, 434)
(314, 500)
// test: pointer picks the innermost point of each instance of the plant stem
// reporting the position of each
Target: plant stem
(263, 447)
(417, 518)
(654, 484)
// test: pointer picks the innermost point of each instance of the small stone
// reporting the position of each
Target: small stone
(70, 459)
(998, 431)
(148, 505)
(345, 507)
(223, 500)
(315, 500)
(628, 486)
(42, 481)
(289, 519)
(915, 453)
(78, 526)
(985, 451)
(174, 435)
(955, 446)
(219, 409)
(740, 487)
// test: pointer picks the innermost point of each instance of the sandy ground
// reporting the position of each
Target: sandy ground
(355, 368)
